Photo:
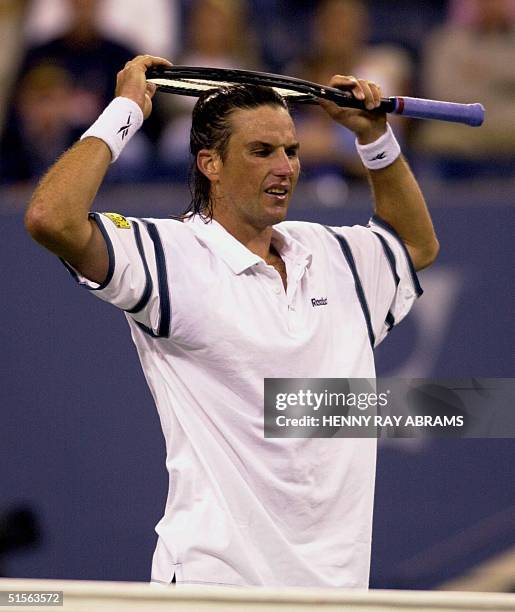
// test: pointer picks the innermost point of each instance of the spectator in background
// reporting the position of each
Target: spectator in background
(284, 27)
(86, 55)
(74, 73)
(340, 31)
(12, 14)
(40, 128)
(151, 26)
(218, 34)
(471, 59)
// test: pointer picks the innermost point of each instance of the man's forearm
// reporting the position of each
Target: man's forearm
(399, 201)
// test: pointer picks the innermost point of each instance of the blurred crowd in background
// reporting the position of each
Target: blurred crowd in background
(60, 58)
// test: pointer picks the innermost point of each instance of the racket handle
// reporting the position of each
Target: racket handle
(470, 114)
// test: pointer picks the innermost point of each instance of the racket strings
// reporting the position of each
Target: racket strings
(196, 86)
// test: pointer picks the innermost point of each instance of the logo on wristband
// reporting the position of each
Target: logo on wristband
(125, 128)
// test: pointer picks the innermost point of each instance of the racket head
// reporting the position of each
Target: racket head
(195, 80)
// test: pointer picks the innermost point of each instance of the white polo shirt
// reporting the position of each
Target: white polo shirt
(210, 321)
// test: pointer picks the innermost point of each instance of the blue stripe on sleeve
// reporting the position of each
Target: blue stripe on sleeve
(390, 257)
(147, 292)
(386, 226)
(346, 250)
(110, 253)
(390, 319)
(163, 330)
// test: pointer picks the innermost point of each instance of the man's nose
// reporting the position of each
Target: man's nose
(283, 164)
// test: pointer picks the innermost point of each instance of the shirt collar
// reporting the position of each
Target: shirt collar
(290, 248)
(236, 255)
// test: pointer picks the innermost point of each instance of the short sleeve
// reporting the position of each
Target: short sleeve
(136, 279)
(385, 278)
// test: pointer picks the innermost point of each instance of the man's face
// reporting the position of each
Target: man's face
(261, 167)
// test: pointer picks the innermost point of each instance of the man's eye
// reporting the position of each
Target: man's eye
(292, 152)
(262, 152)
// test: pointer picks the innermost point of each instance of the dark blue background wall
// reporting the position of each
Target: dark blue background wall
(80, 440)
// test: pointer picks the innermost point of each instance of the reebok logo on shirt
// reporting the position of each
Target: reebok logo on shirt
(318, 302)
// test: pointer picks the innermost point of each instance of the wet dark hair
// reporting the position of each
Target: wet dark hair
(211, 129)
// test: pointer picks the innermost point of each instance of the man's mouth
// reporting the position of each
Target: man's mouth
(277, 192)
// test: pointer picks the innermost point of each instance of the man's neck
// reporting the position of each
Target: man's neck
(257, 240)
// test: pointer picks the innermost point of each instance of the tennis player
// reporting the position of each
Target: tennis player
(233, 294)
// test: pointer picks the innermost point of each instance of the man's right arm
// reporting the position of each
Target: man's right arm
(57, 216)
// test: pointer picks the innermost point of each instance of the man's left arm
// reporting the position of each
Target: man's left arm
(397, 196)
(399, 201)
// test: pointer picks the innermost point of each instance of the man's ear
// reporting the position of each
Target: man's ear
(209, 163)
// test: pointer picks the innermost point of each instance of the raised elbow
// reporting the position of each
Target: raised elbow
(46, 227)
(38, 224)
(426, 255)
(33, 221)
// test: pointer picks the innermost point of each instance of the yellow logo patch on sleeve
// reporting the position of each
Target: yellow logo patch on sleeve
(119, 220)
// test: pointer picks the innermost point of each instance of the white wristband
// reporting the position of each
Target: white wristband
(120, 120)
(380, 153)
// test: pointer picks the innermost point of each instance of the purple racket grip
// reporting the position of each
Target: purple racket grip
(470, 114)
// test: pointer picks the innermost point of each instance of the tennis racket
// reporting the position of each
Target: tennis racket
(194, 80)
